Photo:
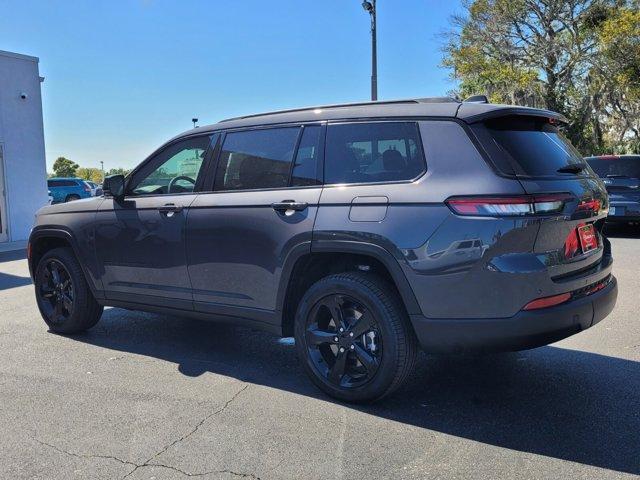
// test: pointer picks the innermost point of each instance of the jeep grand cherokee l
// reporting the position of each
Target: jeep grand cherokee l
(364, 230)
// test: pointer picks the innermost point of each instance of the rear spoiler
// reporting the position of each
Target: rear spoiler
(477, 112)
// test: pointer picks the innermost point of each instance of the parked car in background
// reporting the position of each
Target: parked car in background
(68, 189)
(364, 230)
(621, 176)
(96, 190)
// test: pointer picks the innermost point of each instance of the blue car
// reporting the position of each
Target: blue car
(68, 189)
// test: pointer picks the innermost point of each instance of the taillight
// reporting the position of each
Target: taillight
(547, 301)
(509, 206)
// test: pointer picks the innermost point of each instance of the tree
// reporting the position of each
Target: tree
(89, 173)
(63, 167)
(563, 55)
(118, 171)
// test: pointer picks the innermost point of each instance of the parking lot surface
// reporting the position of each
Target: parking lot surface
(145, 396)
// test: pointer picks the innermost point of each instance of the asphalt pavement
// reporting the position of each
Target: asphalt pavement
(146, 396)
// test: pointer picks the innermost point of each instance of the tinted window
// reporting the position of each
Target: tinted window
(53, 183)
(174, 170)
(256, 159)
(305, 167)
(373, 152)
(532, 146)
(616, 166)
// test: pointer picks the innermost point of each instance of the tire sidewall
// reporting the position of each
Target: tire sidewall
(385, 374)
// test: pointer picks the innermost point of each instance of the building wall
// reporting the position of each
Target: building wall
(22, 134)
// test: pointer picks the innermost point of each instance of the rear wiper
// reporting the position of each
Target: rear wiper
(575, 168)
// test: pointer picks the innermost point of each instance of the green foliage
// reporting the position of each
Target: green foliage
(118, 171)
(89, 173)
(63, 167)
(578, 57)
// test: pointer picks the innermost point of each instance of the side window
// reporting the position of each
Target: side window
(52, 183)
(373, 152)
(174, 170)
(305, 167)
(256, 159)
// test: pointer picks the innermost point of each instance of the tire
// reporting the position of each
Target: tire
(386, 353)
(72, 197)
(79, 310)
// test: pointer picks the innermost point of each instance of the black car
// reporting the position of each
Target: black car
(365, 231)
(621, 176)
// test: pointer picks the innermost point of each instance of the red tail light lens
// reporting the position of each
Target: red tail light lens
(512, 206)
(547, 301)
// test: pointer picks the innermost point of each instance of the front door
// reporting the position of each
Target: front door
(3, 200)
(140, 241)
(262, 208)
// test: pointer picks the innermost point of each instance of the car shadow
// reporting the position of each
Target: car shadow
(622, 230)
(566, 404)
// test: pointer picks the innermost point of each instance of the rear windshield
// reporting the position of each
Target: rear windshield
(528, 146)
(612, 167)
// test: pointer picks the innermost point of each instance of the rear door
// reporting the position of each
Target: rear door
(260, 210)
(535, 151)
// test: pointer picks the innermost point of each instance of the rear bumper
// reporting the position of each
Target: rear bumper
(526, 329)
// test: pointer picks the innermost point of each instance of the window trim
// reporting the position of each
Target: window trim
(209, 186)
(154, 156)
(416, 123)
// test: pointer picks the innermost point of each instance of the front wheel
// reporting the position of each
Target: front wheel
(64, 298)
(354, 338)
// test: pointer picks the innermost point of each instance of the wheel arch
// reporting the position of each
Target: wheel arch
(305, 266)
(43, 240)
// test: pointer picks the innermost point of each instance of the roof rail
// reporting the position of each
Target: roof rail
(357, 104)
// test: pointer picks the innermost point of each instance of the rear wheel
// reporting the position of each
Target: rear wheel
(63, 296)
(72, 197)
(354, 338)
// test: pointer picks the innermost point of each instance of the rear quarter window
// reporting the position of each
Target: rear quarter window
(373, 152)
(527, 146)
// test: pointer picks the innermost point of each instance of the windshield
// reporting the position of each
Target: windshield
(627, 167)
(532, 147)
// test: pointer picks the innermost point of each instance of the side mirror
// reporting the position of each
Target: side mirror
(113, 186)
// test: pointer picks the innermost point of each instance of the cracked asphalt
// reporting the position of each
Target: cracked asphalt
(145, 396)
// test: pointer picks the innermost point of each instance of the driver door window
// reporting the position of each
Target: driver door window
(175, 170)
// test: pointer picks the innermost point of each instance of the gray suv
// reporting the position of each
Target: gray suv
(365, 231)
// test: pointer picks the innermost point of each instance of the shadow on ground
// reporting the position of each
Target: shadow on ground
(566, 404)
(13, 256)
(622, 230)
(8, 281)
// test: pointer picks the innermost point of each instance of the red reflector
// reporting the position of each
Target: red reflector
(547, 301)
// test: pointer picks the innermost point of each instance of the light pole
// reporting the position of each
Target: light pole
(195, 121)
(102, 168)
(370, 6)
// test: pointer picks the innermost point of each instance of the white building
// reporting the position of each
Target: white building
(23, 177)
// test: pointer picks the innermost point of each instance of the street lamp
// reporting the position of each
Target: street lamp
(194, 120)
(370, 6)
(102, 168)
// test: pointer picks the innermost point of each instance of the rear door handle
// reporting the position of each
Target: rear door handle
(169, 209)
(285, 205)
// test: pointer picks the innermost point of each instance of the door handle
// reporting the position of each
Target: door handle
(285, 205)
(170, 208)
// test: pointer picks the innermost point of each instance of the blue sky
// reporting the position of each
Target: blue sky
(121, 77)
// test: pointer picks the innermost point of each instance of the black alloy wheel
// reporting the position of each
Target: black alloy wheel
(55, 287)
(343, 341)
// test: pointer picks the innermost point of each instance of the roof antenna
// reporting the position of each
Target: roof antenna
(477, 99)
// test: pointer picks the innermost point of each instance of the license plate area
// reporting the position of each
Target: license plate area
(588, 238)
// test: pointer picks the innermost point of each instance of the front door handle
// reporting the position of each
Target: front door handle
(285, 205)
(169, 209)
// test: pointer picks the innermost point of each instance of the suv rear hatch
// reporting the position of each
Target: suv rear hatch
(531, 148)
